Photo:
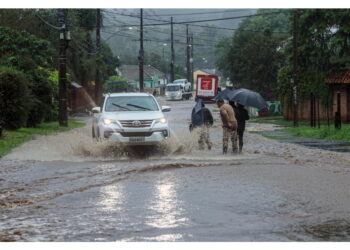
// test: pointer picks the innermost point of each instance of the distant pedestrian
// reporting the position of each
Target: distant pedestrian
(202, 118)
(229, 125)
(241, 116)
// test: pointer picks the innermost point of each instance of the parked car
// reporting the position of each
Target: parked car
(131, 118)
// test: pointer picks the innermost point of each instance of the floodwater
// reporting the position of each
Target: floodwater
(68, 187)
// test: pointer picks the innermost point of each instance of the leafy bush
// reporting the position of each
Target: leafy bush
(52, 115)
(40, 98)
(14, 96)
(29, 54)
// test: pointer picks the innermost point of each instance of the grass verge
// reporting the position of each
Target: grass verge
(277, 120)
(12, 139)
(324, 132)
(304, 130)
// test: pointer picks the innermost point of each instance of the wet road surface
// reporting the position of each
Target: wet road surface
(68, 187)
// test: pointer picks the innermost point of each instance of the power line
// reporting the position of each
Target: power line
(227, 18)
(163, 32)
(205, 26)
(203, 20)
(155, 40)
(177, 34)
(47, 23)
(199, 13)
(158, 30)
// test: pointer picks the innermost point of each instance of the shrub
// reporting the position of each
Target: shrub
(40, 98)
(14, 97)
(52, 115)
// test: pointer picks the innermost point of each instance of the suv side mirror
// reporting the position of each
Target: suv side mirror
(96, 110)
(166, 108)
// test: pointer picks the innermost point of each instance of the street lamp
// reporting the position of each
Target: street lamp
(164, 44)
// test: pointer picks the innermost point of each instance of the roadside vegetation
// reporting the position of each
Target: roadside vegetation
(278, 120)
(304, 130)
(29, 69)
(29, 63)
(14, 138)
(324, 132)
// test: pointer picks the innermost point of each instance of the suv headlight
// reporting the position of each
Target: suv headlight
(108, 122)
(161, 120)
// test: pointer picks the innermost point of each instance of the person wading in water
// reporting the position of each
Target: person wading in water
(229, 125)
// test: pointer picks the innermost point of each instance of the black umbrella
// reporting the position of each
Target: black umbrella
(225, 94)
(247, 97)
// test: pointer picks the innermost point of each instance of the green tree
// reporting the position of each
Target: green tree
(252, 58)
(27, 53)
(323, 50)
(222, 56)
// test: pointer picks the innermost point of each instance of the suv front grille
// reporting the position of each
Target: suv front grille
(141, 124)
(136, 134)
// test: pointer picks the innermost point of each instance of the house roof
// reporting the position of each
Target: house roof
(340, 78)
(208, 71)
(131, 72)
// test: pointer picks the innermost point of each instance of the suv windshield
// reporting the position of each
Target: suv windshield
(131, 103)
(173, 88)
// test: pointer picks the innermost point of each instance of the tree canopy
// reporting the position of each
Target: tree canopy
(252, 58)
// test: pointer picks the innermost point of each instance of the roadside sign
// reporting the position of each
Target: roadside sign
(207, 86)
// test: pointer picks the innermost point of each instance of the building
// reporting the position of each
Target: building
(340, 89)
(153, 78)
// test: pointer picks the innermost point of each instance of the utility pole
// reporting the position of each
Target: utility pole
(141, 53)
(172, 72)
(62, 88)
(188, 66)
(191, 60)
(98, 86)
(295, 66)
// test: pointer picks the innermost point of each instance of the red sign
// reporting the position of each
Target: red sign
(207, 86)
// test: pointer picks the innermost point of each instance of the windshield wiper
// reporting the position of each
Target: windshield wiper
(120, 106)
(137, 106)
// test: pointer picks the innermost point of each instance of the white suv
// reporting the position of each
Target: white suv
(131, 118)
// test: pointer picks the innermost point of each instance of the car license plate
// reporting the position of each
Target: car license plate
(136, 139)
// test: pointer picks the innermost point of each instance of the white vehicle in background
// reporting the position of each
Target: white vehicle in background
(186, 85)
(131, 118)
(176, 91)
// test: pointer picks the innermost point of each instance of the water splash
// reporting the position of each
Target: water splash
(76, 146)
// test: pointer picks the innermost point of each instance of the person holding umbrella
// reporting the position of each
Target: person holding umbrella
(229, 125)
(202, 118)
(241, 115)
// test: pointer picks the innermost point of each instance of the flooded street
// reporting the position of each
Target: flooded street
(68, 187)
